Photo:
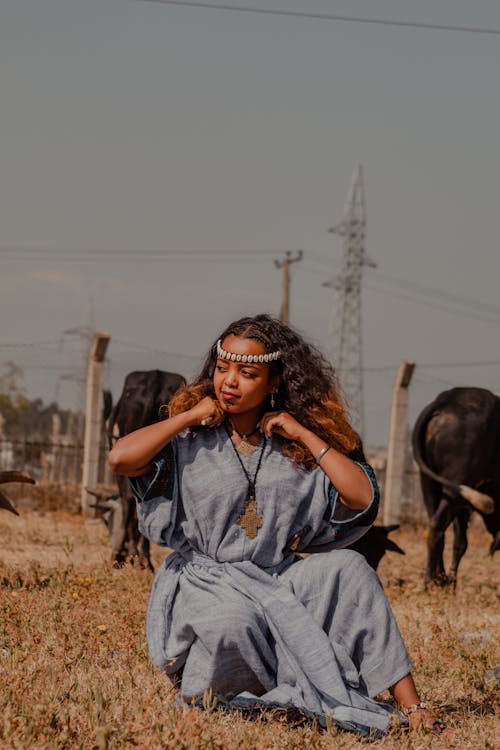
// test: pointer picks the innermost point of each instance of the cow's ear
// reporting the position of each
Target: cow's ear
(393, 547)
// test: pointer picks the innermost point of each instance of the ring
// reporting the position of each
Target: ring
(205, 422)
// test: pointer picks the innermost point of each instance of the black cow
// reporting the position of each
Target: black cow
(144, 392)
(456, 444)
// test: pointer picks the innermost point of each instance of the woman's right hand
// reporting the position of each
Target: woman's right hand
(207, 413)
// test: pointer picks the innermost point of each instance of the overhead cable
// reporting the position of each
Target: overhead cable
(413, 286)
(41, 253)
(455, 309)
(456, 304)
(329, 17)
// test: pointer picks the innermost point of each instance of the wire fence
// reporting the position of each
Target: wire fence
(412, 509)
(55, 462)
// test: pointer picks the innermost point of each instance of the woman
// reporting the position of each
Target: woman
(254, 464)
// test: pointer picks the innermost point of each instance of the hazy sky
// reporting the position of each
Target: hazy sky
(138, 126)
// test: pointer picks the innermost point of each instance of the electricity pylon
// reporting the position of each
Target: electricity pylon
(345, 341)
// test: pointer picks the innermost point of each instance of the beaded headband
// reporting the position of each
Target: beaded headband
(247, 358)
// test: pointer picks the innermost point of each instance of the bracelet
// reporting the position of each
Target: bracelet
(407, 710)
(322, 453)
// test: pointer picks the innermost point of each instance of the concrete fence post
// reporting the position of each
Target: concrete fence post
(93, 420)
(396, 452)
(55, 450)
(3, 452)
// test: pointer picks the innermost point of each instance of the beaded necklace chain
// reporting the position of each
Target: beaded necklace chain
(245, 447)
(250, 521)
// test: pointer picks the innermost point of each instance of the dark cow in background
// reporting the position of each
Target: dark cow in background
(456, 444)
(12, 476)
(144, 393)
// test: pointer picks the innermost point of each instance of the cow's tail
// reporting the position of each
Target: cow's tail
(479, 500)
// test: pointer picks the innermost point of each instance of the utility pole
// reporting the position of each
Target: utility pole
(285, 265)
(345, 345)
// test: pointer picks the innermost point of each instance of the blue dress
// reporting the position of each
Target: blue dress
(248, 618)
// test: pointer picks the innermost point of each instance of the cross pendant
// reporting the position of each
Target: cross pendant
(250, 521)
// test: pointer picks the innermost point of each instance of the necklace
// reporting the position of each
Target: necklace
(245, 447)
(250, 521)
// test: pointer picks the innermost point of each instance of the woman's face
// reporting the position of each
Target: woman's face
(241, 388)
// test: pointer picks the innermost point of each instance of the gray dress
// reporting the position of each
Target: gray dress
(247, 617)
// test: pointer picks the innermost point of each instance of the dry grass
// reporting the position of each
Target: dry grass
(75, 673)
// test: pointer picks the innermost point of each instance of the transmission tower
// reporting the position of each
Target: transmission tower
(345, 344)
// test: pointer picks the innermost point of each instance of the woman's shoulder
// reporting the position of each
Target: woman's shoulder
(192, 440)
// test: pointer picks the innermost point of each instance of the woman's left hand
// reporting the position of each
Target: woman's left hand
(283, 424)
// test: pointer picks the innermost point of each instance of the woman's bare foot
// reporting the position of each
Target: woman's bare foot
(420, 716)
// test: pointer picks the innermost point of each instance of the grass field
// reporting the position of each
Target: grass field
(74, 669)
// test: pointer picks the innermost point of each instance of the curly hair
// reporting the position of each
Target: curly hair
(308, 387)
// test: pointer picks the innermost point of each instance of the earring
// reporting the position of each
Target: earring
(272, 401)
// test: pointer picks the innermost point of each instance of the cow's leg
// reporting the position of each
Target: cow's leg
(135, 545)
(131, 530)
(433, 500)
(116, 527)
(143, 550)
(435, 544)
(460, 523)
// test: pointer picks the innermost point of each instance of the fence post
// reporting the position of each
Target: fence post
(93, 419)
(55, 449)
(2, 456)
(396, 452)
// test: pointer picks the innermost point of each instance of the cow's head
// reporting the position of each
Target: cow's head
(375, 543)
(12, 476)
(107, 508)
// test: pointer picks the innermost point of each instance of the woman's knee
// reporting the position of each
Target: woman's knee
(238, 622)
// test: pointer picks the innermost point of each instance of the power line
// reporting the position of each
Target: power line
(479, 310)
(119, 251)
(431, 380)
(433, 292)
(142, 347)
(330, 17)
(457, 303)
(434, 365)
(31, 345)
(413, 286)
(446, 308)
(79, 254)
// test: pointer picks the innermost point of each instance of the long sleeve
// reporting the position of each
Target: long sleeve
(157, 496)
